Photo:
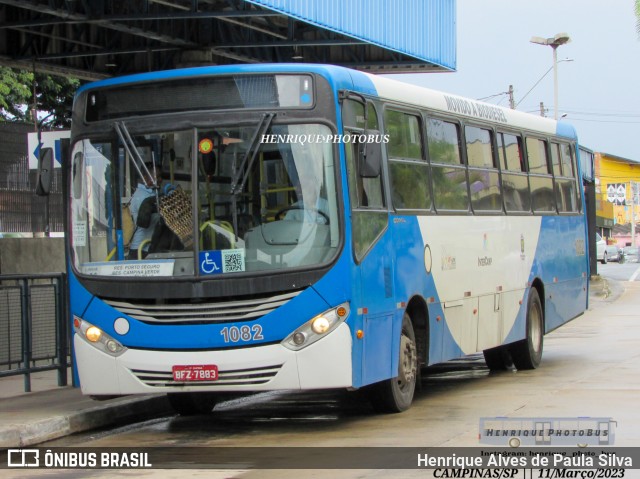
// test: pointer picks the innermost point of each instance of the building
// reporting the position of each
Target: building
(615, 205)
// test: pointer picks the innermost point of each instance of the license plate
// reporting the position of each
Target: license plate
(192, 372)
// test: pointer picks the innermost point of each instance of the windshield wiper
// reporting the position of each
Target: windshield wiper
(250, 154)
(134, 155)
(237, 184)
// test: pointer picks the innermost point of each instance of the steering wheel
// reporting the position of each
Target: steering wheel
(301, 207)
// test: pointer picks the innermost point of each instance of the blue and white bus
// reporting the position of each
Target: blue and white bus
(312, 227)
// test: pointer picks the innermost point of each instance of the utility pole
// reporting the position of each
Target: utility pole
(512, 103)
(554, 43)
(634, 194)
(542, 109)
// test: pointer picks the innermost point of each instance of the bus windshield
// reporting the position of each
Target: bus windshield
(203, 201)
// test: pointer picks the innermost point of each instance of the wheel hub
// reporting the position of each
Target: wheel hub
(408, 360)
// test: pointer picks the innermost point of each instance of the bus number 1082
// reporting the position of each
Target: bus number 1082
(245, 333)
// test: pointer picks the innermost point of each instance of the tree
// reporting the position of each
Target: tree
(54, 97)
(637, 9)
(15, 92)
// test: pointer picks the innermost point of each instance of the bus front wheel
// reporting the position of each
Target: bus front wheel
(527, 354)
(396, 394)
(191, 404)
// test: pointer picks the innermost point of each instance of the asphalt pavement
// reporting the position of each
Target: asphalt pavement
(50, 412)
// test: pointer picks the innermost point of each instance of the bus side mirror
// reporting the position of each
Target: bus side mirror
(370, 155)
(45, 171)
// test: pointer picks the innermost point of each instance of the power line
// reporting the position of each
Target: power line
(492, 96)
(604, 111)
(603, 121)
(595, 113)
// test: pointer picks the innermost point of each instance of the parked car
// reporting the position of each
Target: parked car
(606, 252)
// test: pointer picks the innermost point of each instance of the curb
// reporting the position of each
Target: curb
(111, 413)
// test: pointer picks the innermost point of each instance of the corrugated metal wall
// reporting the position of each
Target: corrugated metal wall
(425, 29)
(21, 211)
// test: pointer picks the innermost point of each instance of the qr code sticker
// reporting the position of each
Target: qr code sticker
(232, 260)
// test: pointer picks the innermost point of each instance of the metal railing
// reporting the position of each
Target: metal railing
(34, 326)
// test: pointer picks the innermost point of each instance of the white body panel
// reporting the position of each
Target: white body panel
(473, 269)
(453, 104)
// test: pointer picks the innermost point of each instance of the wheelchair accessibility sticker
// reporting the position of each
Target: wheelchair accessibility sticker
(221, 261)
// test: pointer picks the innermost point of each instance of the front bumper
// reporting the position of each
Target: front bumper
(323, 365)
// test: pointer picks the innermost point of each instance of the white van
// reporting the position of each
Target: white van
(605, 252)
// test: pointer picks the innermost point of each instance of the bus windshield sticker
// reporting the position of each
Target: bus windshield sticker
(157, 267)
(79, 233)
(221, 261)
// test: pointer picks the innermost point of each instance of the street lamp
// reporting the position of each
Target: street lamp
(554, 42)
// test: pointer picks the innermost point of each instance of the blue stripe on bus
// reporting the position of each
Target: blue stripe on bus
(412, 281)
(567, 130)
(206, 336)
(565, 286)
(337, 76)
(565, 293)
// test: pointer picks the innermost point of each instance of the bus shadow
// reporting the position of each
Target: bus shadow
(291, 411)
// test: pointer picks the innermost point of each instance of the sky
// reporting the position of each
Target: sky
(599, 91)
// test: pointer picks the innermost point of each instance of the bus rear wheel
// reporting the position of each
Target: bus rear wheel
(396, 394)
(192, 404)
(527, 353)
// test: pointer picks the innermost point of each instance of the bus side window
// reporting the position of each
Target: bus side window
(373, 191)
(515, 183)
(449, 175)
(567, 193)
(540, 179)
(408, 170)
(567, 160)
(555, 159)
(366, 194)
(484, 179)
(537, 156)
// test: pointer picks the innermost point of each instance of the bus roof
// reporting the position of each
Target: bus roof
(368, 84)
(453, 104)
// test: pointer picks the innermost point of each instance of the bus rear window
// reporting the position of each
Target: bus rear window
(200, 93)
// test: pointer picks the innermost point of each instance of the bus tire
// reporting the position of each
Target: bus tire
(527, 353)
(192, 404)
(396, 394)
(498, 359)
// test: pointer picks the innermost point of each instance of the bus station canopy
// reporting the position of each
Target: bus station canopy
(93, 39)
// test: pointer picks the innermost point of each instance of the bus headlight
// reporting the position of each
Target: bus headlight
(93, 334)
(316, 328)
(320, 325)
(97, 337)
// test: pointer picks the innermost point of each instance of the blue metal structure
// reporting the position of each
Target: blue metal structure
(141, 35)
(424, 29)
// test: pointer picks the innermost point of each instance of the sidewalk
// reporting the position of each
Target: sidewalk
(51, 412)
